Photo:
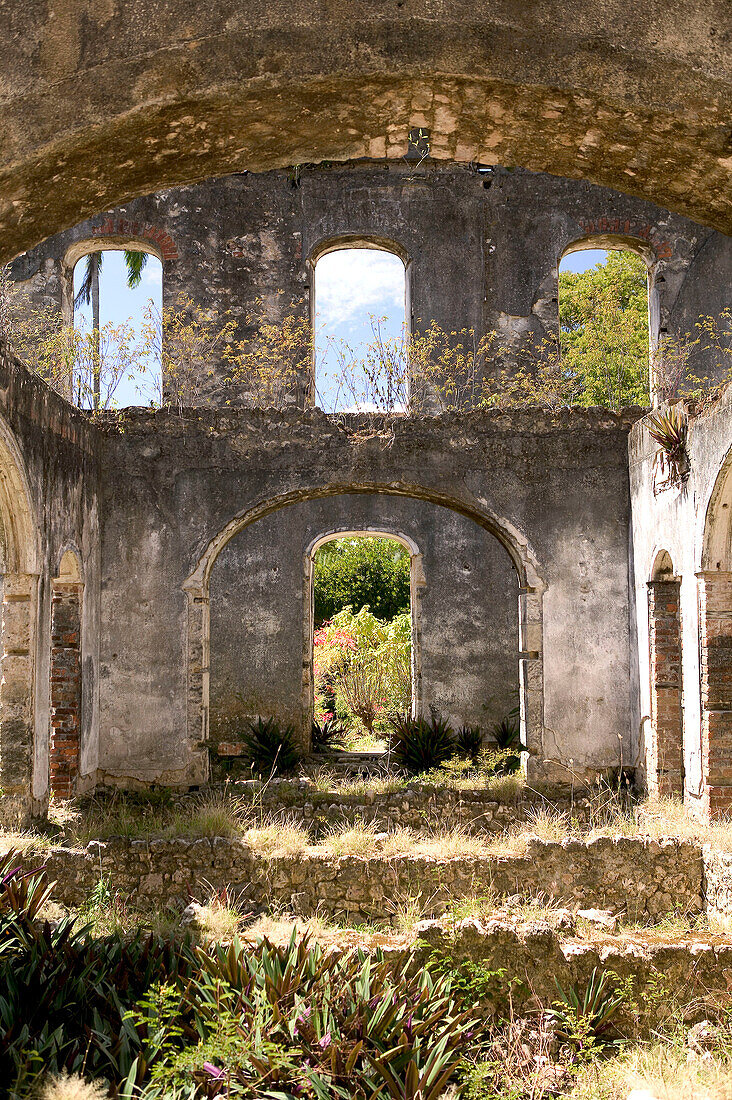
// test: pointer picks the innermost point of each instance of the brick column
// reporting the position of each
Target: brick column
(665, 749)
(715, 615)
(65, 687)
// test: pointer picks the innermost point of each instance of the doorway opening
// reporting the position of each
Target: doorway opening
(363, 638)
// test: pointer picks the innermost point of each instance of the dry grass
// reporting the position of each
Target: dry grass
(661, 1069)
(72, 1088)
(212, 814)
(365, 840)
(278, 837)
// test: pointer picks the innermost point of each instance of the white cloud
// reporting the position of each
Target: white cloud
(355, 282)
(153, 272)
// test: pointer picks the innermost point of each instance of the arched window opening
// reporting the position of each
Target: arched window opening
(65, 676)
(665, 748)
(364, 664)
(117, 296)
(604, 325)
(360, 324)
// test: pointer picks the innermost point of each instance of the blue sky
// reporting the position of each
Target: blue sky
(350, 286)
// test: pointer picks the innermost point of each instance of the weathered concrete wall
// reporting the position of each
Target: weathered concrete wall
(482, 249)
(553, 488)
(645, 879)
(50, 453)
(108, 102)
(675, 518)
(466, 616)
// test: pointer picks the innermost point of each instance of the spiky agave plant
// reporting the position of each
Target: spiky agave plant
(670, 431)
(269, 749)
(419, 744)
(327, 735)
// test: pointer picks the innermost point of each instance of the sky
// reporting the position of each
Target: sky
(351, 286)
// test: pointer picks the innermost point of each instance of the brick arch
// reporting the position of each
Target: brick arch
(531, 592)
(20, 560)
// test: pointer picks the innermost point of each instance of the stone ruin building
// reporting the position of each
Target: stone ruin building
(143, 566)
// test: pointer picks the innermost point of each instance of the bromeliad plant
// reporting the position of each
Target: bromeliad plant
(269, 749)
(670, 431)
(420, 744)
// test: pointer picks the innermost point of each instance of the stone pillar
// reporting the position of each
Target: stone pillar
(16, 698)
(65, 687)
(665, 750)
(715, 618)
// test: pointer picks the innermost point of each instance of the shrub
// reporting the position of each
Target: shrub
(327, 735)
(469, 741)
(418, 744)
(507, 736)
(361, 572)
(269, 749)
(295, 1021)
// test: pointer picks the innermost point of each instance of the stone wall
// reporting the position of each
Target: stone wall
(49, 484)
(552, 488)
(687, 523)
(480, 249)
(645, 879)
(412, 806)
(658, 972)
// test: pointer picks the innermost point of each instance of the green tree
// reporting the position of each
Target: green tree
(603, 318)
(360, 572)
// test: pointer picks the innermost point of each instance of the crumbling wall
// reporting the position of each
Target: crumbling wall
(553, 488)
(57, 461)
(482, 248)
(642, 878)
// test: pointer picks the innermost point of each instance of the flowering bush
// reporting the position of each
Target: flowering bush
(362, 668)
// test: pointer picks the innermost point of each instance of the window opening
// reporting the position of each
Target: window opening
(117, 317)
(603, 323)
(361, 362)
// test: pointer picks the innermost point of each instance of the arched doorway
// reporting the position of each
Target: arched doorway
(19, 556)
(715, 646)
(293, 630)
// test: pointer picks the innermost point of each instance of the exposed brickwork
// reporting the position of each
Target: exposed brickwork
(65, 687)
(715, 605)
(665, 750)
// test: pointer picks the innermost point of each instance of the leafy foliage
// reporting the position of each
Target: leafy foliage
(584, 1021)
(419, 744)
(361, 572)
(603, 318)
(269, 749)
(507, 736)
(362, 668)
(158, 1019)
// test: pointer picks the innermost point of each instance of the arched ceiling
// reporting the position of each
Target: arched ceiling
(101, 100)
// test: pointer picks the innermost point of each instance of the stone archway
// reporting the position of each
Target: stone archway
(531, 592)
(18, 644)
(715, 646)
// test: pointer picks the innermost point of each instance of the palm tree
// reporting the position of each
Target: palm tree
(89, 292)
